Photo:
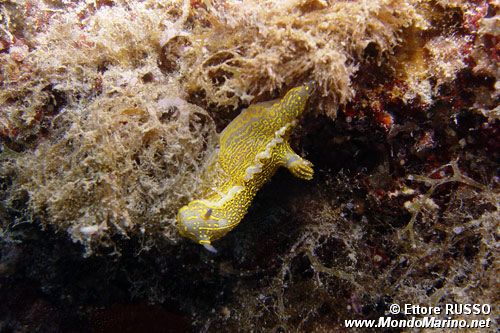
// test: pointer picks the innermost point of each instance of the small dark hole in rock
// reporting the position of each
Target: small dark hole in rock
(102, 67)
(148, 77)
(371, 50)
(169, 114)
(170, 53)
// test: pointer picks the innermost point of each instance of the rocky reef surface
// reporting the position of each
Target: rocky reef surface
(109, 111)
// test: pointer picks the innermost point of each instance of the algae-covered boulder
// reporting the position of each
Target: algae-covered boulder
(109, 113)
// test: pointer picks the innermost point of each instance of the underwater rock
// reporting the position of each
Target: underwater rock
(108, 115)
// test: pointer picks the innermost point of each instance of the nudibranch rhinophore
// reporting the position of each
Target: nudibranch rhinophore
(251, 148)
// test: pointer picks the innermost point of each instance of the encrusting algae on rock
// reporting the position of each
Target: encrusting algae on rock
(109, 113)
(92, 61)
(252, 147)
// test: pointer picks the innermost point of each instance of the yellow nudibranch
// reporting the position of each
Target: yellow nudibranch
(251, 148)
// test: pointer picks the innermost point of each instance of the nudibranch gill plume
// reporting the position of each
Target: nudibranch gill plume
(251, 148)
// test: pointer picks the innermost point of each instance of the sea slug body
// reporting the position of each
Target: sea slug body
(251, 148)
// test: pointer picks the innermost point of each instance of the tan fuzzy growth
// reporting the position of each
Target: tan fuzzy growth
(70, 54)
(258, 47)
(439, 60)
(120, 167)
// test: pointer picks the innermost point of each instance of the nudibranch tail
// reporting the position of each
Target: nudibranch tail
(210, 248)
